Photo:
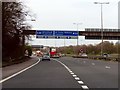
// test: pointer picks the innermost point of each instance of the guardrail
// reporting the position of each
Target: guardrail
(98, 58)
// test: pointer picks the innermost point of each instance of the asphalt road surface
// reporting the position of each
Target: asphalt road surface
(67, 72)
(94, 73)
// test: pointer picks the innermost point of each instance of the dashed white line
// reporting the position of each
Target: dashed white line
(93, 63)
(80, 82)
(84, 87)
(84, 61)
(72, 73)
(1, 81)
(75, 76)
(107, 67)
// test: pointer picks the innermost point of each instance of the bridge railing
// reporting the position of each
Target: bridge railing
(99, 30)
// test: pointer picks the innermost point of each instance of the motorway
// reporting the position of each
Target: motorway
(67, 72)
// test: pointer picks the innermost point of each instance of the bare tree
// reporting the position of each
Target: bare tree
(13, 16)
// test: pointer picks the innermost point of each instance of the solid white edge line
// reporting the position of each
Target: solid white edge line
(63, 65)
(9, 77)
(70, 71)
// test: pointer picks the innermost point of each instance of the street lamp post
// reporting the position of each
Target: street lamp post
(77, 31)
(101, 3)
(64, 46)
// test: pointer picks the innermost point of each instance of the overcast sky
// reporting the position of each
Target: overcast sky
(61, 14)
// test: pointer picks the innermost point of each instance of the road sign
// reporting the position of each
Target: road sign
(66, 37)
(45, 37)
(44, 33)
(57, 34)
(66, 33)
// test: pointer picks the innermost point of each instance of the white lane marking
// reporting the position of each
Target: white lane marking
(80, 82)
(66, 67)
(70, 71)
(93, 63)
(84, 87)
(74, 75)
(63, 65)
(77, 78)
(84, 61)
(107, 67)
(9, 77)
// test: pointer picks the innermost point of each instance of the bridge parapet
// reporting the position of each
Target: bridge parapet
(99, 30)
(109, 34)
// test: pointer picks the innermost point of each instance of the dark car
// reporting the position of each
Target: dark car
(45, 57)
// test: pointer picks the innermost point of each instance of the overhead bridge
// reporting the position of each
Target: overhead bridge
(108, 34)
(91, 33)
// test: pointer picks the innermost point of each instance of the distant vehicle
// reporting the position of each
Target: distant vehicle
(106, 55)
(33, 53)
(52, 52)
(45, 57)
(55, 56)
(62, 55)
(84, 54)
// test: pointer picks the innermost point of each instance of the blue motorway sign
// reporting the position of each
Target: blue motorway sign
(57, 34)
(44, 33)
(66, 33)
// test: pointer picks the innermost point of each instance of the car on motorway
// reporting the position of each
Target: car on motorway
(46, 57)
(55, 56)
(106, 55)
(62, 55)
(84, 54)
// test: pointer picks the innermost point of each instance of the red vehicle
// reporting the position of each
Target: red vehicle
(52, 52)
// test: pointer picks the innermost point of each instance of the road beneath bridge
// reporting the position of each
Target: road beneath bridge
(67, 72)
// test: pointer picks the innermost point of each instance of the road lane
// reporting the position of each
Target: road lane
(94, 76)
(46, 74)
(75, 76)
(74, 73)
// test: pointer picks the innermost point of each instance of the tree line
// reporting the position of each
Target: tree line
(108, 47)
(13, 17)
